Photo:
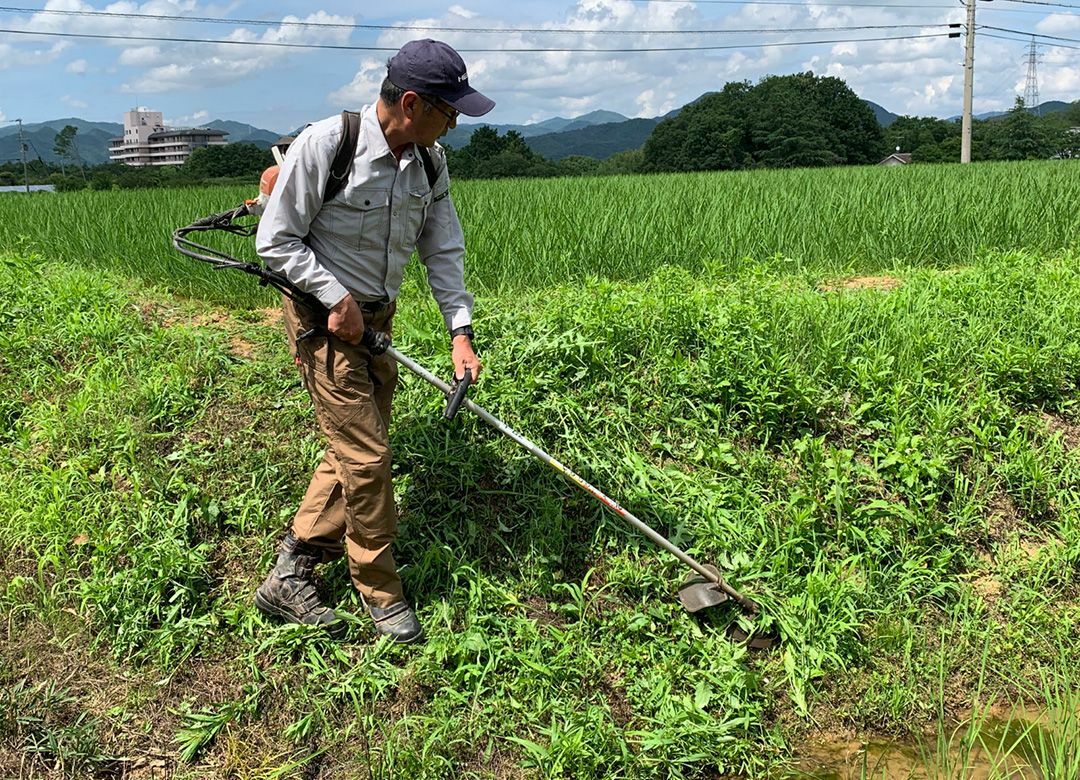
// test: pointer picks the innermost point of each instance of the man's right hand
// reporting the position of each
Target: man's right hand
(345, 320)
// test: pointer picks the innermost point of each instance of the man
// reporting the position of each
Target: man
(350, 253)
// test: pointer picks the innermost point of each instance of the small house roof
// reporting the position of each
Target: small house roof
(900, 157)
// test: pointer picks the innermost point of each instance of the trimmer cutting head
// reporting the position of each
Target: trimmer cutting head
(696, 593)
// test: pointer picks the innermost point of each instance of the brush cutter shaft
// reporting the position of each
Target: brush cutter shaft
(610, 503)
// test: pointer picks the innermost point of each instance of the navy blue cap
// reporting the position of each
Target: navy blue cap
(433, 68)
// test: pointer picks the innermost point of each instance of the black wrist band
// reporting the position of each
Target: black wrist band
(464, 330)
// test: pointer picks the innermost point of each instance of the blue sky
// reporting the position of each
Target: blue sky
(43, 77)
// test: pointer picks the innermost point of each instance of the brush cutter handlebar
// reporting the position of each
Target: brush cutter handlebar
(459, 387)
(376, 341)
(225, 221)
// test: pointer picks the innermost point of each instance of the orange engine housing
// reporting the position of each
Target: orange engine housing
(268, 180)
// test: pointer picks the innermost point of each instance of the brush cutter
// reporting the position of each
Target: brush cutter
(701, 590)
(704, 589)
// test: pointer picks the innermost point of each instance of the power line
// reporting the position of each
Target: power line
(791, 2)
(510, 50)
(1044, 2)
(1031, 34)
(1020, 40)
(1022, 11)
(430, 28)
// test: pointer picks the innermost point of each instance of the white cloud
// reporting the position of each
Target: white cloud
(530, 86)
(906, 76)
(140, 56)
(464, 13)
(166, 67)
(1059, 74)
(561, 82)
(1059, 24)
(169, 68)
(68, 100)
(936, 88)
(191, 120)
(652, 104)
(364, 85)
(26, 56)
(1062, 83)
(3, 117)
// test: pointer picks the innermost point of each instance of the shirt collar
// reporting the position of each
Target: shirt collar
(376, 141)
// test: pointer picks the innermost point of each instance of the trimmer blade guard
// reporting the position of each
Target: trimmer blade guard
(697, 593)
(755, 641)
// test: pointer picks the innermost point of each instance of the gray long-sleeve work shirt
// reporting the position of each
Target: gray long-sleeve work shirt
(360, 241)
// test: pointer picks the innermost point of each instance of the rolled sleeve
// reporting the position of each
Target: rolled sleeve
(441, 247)
(286, 222)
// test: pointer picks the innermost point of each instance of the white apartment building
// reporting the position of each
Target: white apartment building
(146, 141)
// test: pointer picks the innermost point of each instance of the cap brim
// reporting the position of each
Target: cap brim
(472, 103)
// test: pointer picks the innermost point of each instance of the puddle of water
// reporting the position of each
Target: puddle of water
(893, 761)
(986, 747)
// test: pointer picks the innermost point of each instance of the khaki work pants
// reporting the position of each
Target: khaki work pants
(350, 496)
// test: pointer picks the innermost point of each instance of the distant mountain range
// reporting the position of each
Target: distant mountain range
(884, 117)
(241, 133)
(598, 134)
(1049, 107)
(460, 135)
(93, 138)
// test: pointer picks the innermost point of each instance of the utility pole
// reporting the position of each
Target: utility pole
(969, 83)
(22, 151)
(1031, 88)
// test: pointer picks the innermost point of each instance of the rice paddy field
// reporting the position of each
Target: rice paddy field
(854, 391)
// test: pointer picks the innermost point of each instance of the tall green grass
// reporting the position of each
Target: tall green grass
(525, 234)
(886, 471)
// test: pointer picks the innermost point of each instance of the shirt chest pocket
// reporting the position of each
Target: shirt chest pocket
(368, 224)
(416, 207)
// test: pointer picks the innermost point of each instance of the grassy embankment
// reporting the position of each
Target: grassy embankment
(891, 470)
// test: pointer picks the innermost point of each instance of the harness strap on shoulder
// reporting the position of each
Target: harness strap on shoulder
(429, 166)
(432, 173)
(343, 157)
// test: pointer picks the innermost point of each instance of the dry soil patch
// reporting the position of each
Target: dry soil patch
(862, 283)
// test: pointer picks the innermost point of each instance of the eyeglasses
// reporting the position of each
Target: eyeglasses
(451, 115)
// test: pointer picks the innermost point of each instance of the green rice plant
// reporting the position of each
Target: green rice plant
(528, 234)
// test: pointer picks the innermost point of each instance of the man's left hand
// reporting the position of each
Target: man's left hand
(463, 356)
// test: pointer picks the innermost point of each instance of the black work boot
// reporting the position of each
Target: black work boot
(289, 593)
(398, 621)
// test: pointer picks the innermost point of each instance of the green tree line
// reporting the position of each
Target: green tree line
(489, 155)
(1019, 135)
